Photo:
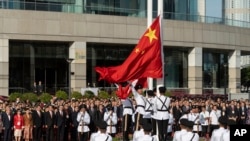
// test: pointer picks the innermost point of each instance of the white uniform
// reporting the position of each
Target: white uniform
(103, 137)
(127, 107)
(178, 134)
(189, 136)
(195, 117)
(111, 121)
(217, 134)
(226, 136)
(161, 106)
(83, 120)
(138, 134)
(149, 108)
(146, 138)
(140, 102)
(93, 135)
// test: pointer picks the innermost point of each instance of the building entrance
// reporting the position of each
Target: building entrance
(31, 62)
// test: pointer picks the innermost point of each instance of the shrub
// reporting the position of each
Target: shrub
(168, 93)
(45, 97)
(103, 95)
(62, 95)
(88, 94)
(14, 96)
(76, 95)
(29, 96)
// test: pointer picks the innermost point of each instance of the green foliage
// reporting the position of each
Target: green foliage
(29, 96)
(14, 96)
(76, 95)
(45, 97)
(88, 94)
(62, 95)
(103, 95)
(168, 93)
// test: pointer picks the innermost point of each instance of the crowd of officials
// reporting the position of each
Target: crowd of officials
(147, 115)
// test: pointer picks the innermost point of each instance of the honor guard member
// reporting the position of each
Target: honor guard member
(183, 131)
(226, 135)
(102, 136)
(83, 119)
(161, 113)
(93, 135)
(195, 117)
(149, 106)
(153, 114)
(110, 118)
(147, 128)
(217, 133)
(190, 136)
(140, 103)
(140, 132)
(127, 117)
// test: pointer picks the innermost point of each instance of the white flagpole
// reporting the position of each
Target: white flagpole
(149, 22)
(160, 81)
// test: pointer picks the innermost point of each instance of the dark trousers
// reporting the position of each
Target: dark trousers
(60, 133)
(138, 117)
(83, 136)
(49, 134)
(153, 126)
(37, 134)
(126, 122)
(74, 134)
(162, 129)
(7, 135)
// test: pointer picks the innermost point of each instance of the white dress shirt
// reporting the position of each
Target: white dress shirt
(93, 135)
(140, 102)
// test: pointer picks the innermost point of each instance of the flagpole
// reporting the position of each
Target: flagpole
(149, 22)
(160, 81)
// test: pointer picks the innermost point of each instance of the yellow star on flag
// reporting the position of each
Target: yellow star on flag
(137, 50)
(151, 34)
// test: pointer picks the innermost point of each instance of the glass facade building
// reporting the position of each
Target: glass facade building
(193, 58)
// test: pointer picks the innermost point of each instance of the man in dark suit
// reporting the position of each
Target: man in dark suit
(39, 88)
(60, 123)
(7, 124)
(49, 120)
(38, 123)
(74, 123)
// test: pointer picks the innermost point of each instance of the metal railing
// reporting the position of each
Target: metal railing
(111, 10)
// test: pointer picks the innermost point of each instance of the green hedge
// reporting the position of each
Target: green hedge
(14, 96)
(76, 95)
(29, 96)
(88, 94)
(62, 95)
(103, 95)
(45, 97)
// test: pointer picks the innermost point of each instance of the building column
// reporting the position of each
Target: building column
(4, 67)
(77, 51)
(234, 71)
(195, 70)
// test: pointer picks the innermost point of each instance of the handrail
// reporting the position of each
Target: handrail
(112, 10)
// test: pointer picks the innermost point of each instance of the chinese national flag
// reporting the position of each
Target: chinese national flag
(144, 61)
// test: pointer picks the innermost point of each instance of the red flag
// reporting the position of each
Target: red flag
(144, 61)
